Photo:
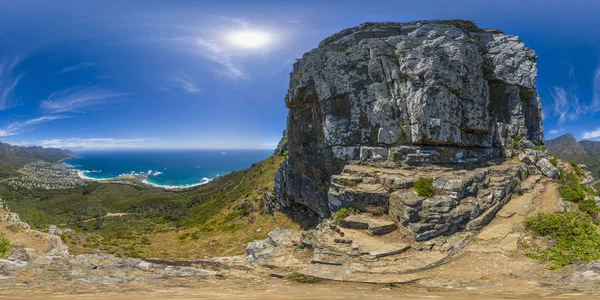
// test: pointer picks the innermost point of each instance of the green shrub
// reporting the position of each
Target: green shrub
(341, 214)
(515, 142)
(297, 277)
(573, 193)
(578, 170)
(589, 207)
(554, 161)
(424, 187)
(4, 246)
(346, 182)
(575, 238)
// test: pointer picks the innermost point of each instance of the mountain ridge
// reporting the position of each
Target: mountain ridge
(567, 148)
(13, 157)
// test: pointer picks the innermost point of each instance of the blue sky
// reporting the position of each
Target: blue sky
(191, 74)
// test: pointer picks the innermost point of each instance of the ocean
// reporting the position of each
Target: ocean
(165, 168)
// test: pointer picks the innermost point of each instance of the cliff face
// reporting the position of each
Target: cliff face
(405, 94)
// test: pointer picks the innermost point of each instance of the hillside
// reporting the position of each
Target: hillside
(218, 218)
(14, 157)
(567, 148)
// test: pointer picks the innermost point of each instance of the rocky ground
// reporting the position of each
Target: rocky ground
(477, 264)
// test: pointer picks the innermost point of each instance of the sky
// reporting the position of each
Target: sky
(214, 74)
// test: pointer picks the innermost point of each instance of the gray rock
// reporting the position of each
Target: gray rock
(547, 168)
(422, 84)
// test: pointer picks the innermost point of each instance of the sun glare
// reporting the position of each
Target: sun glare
(249, 39)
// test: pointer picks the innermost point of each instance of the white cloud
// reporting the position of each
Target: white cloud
(76, 67)
(556, 131)
(566, 104)
(8, 82)
(187, 83)
(591, 134)
(75, 143)
(18, 127)
(595, 105)
(77, 98)
(217, 53)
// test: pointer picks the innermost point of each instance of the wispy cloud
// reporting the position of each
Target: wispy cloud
(9, 79)
(566, 104)
(592, 134)
(215, 52)
(187, 83)
(75, 143)
(556, 131)
(76, 67)
(18, 127)
(595, 106)
(77, 98)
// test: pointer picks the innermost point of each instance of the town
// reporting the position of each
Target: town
(45, 175)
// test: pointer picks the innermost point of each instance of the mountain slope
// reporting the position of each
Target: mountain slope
(567, 148)
(591, 147)
(14, 157)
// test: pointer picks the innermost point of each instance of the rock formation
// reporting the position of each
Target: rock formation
(406, 95)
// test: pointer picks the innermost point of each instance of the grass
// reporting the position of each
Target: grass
(575, 238)
(344, 212)
(297, 277)
(346, 182)
(424, 187)
(218, 218)
(554, 161)
(515, 142)
(577, 169)
(4, 246)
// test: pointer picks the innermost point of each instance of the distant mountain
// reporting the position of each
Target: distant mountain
(567, 148)
(14, 157)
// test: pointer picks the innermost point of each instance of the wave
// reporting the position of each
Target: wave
(82, 175)
(205, 180)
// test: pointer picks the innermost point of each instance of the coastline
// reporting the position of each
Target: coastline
(81, 174)
(177, 187)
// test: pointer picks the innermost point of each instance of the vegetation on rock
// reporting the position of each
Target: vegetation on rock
(4, 246)
(344, 212)
(424, 187)
(297, 277)
(515, 142)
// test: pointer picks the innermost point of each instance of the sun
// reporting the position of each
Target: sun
(250, 39)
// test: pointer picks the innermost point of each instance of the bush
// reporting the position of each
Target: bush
(346, 182)
(573, 193)
(515, 142)
(578, 170)
(589, 207)
(297, 277)
(4, 246)
(424, 187)
(575, 238)
(344, 212)
(554, 161)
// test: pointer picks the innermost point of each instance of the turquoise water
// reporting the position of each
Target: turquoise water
(167, 168)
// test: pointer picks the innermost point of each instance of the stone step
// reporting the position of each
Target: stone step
(382, 228)
(400, 249)
(373, 226)
(342, 241)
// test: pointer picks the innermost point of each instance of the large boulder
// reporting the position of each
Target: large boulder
(394, 92)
